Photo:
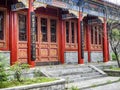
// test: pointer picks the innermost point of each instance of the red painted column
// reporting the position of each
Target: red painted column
(108, 47)
(80, 60)
(13, 40)
(62, 42)
(88, 43)
(105, 42)
(30, 9)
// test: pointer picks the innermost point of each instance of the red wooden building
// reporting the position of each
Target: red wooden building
(41, 32)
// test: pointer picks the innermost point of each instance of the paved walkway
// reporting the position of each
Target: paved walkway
(94, 82)
(113, 86)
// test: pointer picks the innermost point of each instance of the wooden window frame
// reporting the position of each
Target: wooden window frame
(48, 27)
(4, 44)
(55, 31)
(4, 24)
(71, 46)
(22, 13)
(96, 46)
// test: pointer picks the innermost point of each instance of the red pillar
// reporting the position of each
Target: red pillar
(30, 9)
(108, 48)
(105, 42)
(62, 42)
(13, 40)
(80, 60)
(88, 43)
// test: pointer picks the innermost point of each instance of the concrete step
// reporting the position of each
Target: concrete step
(73, 78)
(70, 72)
(87, 84)
(82, 79)
(73, 73)
(59, 67)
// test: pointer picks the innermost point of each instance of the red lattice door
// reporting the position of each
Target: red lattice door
(48, 40)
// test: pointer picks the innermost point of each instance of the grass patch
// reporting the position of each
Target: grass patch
(94, 85)
(118, 69)
(13, 83)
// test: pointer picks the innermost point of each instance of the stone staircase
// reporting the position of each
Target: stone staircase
(73, 73)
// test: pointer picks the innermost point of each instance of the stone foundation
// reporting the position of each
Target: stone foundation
(96, 56)
(85, 56)
(71, 57)
(5, 56)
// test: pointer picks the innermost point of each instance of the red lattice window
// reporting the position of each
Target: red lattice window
(71, 34)
(53, 30)
(96, 36)
(44, 29)
(1, 25)
(22, 27)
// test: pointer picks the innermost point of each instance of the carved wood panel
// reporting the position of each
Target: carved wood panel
(22, 52)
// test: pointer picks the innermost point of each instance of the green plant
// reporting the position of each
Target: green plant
(17, 69)
(111, 67)
(27, 81)
(3, 75)
(113, 56)
(109, 81)
(37, 73)
(74, 88)
(94, 85)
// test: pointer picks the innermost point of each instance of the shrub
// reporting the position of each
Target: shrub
(113, 56)
(37, 73)
(17, 69)
(3, 75)
(74, 88)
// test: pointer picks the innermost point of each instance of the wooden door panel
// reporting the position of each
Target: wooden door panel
(44, 52)
(2, 44)
(48, 44)
(22, 45)
(54, 45)
(53, 52)
(54, 59)
(22, 55)
(22, 52)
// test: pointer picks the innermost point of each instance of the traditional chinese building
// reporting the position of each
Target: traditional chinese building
(41, 32)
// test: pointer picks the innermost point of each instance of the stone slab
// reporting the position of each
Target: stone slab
(93, 82)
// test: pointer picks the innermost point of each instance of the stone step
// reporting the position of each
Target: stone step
(92, 82)
(73, 73)
(82, 78)
(70, 71)
(63, 73)
(80, 75)
(65, 68)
